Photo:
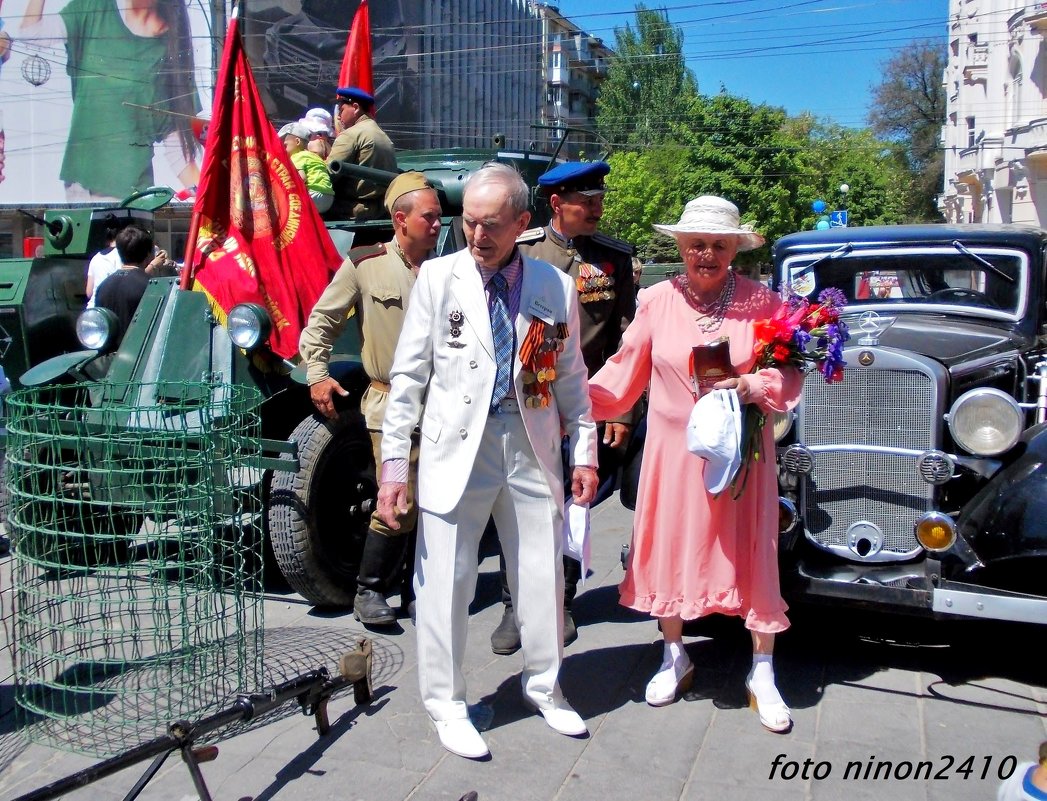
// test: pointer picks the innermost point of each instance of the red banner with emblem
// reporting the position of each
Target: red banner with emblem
(256, 235)
(356, 63)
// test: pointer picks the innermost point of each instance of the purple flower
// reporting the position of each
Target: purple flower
(831, 296)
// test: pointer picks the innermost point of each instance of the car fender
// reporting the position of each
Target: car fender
(1008, 517)
(59, 369)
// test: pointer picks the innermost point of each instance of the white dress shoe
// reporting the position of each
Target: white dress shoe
(564, 720)
(672, 678)
(460, 737)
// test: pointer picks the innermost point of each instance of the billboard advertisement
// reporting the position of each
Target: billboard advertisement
(100, 98)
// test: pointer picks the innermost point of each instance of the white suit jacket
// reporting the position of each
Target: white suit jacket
(446, 381)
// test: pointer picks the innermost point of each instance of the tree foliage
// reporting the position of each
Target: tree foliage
(648, 85)
(770, 165)
(908, 106)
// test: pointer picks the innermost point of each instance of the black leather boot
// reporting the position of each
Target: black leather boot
(380, 557)
(572, 573)
(505, 639)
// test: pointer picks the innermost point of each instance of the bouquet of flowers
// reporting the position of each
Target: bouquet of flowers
(799, 334)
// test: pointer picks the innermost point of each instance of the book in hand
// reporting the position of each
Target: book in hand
(710, 364)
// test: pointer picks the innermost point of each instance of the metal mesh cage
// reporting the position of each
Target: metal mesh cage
(134, 513)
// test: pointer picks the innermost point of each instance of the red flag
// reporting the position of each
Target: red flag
(256, 236)
(356, 63)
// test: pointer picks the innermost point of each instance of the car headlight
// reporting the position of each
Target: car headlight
(249, 325)
(95, 328)
(782, 423)
(986, 421)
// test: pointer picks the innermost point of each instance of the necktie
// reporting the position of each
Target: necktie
(502, 330)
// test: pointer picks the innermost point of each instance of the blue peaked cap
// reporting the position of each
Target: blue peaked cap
(575, 176)
(354, 95)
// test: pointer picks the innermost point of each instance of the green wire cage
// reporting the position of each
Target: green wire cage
(134, 513)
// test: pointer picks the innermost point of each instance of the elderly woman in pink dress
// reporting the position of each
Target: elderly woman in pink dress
(695, 553)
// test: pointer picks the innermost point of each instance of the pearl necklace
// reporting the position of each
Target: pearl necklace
(713, 313)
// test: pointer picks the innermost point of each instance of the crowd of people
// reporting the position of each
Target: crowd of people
(505, 383)
(506, 380)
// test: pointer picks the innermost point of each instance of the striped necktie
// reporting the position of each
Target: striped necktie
(502, 330)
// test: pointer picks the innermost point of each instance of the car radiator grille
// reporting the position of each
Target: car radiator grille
(869, 407)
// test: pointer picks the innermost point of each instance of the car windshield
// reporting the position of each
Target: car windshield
(989, 281)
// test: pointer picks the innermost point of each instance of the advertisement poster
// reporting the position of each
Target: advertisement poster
(98, 102)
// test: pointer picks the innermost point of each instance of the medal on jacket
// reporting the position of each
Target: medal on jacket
(538, 355)
(594, 282)
(455, 318)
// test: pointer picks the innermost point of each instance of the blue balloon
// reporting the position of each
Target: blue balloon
(823, 225)
(818, 206)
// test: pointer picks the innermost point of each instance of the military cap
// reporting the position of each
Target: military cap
(402, 184)
(350, 94)
(585, 177)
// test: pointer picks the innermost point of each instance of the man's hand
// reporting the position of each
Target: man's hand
(322, 394)
(583, 485)
(616, 435)
(392, 502)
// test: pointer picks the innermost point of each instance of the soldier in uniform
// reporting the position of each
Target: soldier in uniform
(603, 275)
(376, 281)
(362, 142)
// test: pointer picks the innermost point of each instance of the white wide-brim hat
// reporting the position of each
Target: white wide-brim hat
(714, 432)
(713, 215)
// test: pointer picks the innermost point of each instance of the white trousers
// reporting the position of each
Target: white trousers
(506, 482)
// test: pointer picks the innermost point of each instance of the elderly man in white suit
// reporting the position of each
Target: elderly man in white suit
(490, 445)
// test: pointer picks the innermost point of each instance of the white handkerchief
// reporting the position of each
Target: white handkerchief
(576, 535)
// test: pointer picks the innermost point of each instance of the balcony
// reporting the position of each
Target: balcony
(976, 63)
(1036, 16)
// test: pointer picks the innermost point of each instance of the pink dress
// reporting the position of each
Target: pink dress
(693, 554)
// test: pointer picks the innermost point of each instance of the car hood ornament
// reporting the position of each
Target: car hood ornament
(873, 325)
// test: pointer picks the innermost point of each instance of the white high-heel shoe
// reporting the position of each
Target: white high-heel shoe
(673, 677)
(774, 714)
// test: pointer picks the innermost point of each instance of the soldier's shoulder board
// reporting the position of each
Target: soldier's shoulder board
(614, 244)
(531, 236)
(365, 252)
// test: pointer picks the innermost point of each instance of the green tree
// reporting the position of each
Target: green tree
(648, 85)
(908, 106)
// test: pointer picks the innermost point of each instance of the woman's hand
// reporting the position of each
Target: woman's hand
(742, 385)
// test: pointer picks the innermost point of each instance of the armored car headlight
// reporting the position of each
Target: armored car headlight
(986, 421)
(95, 328)
(249, 325)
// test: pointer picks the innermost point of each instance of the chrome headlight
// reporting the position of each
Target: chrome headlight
(986, 421)
(95, 328)
(249, 325)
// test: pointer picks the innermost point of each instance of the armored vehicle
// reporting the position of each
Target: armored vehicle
(316, 477)
(918, 483)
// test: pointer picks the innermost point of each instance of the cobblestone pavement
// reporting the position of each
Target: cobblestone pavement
(876, 701)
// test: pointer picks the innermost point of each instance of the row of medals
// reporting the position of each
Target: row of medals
(593, 284)
(536, 382)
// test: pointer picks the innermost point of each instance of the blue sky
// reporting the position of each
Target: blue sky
(822, 56)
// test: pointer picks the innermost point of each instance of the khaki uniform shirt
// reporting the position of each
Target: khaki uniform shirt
(367, 145)
(377, 282)
(603, 275)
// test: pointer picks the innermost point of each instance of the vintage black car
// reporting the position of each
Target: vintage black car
(919, 483)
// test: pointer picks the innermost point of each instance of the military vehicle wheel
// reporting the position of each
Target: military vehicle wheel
(319, 516)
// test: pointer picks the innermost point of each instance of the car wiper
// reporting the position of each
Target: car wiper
(966, 251)
(843, 250)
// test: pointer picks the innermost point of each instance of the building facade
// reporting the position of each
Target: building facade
(575, 65)
(995, 134)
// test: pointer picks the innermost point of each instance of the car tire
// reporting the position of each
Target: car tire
(319, 515)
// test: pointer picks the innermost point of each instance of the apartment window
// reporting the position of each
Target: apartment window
(970, 132)
(1014, 106)
(557, 59)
